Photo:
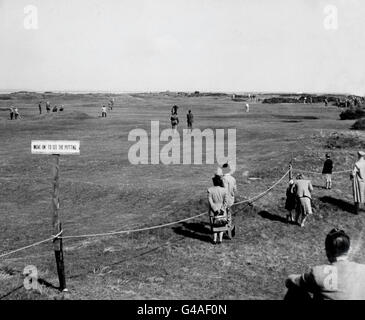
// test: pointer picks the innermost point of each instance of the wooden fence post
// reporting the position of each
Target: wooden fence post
(57, 225)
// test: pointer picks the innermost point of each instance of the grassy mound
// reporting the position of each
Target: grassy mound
(341, 141)
(352, 113)
(359, 124)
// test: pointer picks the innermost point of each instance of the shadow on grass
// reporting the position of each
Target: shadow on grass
(196, 230)
(41, 281)
(273, 217)
(318, 186)
(132, 257)
(341, 204)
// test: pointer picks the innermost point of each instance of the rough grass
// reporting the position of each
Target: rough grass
(359, 124)
(101, 191)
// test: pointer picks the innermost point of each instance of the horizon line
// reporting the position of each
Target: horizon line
(11, 91)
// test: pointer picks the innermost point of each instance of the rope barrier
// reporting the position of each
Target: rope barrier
(141, 229)
(263, 193)
(174, 222)
(320, 173)
(31, 245)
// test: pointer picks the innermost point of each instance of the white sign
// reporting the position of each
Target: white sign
(55, 147)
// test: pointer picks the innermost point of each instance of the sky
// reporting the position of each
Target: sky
(183, 45)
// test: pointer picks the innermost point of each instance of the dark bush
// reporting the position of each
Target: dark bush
(352, 113)
(359, 124)
(280, 100)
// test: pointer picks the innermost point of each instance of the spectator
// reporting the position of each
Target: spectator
(327, 171)
(231, 186)
(290, 203)
(303, 189)
(40, 107)
(11, 109)
(340, 280)
(217, 197)
(358, 181)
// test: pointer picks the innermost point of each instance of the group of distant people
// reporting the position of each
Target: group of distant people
(14, 113)
(49, 108)
(351, 101)
(174, 119)
(298, 194)
(341, 279)
(104, 110)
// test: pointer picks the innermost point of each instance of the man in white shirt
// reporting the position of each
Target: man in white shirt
(103, 112)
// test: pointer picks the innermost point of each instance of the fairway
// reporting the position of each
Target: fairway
(101, 192)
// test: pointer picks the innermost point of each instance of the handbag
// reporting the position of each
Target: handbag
(220, 220)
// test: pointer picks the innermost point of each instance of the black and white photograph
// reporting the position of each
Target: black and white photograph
(182, 150)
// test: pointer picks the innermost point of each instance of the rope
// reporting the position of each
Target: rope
(141, 229)
(320, 173)
(170, 223)
(31, 245)
(133, 230)
(263, 193)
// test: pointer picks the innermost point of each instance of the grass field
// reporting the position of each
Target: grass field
(101, 191)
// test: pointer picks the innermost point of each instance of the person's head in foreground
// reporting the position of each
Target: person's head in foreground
(337, 245)
(342, 279)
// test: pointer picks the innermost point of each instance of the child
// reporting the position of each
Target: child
(327, 171)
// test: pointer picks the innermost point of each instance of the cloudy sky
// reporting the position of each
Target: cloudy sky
(148, 45)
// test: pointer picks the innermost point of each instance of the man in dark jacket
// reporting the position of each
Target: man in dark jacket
(190, 119)
(327, 171)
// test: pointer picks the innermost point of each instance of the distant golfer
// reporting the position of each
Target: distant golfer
(327, 171)
(40, 107)
(358, 181)
(103, 112)
(174, 109)
(16, 113)
(247, 107)
(190, 120)
(48, 107)
(174, 118)
(11, 109)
